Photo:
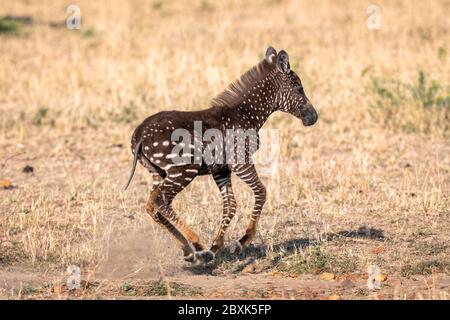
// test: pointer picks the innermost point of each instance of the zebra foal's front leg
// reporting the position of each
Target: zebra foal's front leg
(248, 174)
(223, 181)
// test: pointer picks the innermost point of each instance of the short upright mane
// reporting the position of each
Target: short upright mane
(234, 94)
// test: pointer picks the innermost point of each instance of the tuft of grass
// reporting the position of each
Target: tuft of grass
(317, 260)
(9, 26)
(159, 288)
(128, 289)
(40, 116)
(157, 5)
(442, 53)
(127, 114)
(424, 93)
(28, 290)
(89, 32)
(425, 268)
(11, 252)
(366, 70)
(422, 106)
(206, 6)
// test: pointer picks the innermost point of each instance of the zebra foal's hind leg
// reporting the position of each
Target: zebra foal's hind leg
(152, 210)
(159, 207)
(161, 220)
(223, 181)
(248, 174)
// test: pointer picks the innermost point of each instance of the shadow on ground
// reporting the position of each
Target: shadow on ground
(253, 252)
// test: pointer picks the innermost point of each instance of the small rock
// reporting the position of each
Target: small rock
(332, 297)
(28, 169)
(377, 250)
(381, 278)
(327, 276)
(249, 269)
(6, 184)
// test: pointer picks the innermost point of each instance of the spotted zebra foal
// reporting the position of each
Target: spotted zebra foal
(177, 146)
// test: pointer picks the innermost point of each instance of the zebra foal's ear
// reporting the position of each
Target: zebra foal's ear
(283, 62)
(271, 54)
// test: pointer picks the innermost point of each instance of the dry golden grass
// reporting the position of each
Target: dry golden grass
(360, 179)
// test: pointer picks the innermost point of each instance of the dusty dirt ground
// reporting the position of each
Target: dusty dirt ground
(133, 258)
(368, 185)
(244, 286)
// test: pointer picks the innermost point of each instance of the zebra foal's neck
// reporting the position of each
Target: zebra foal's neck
(251, 99)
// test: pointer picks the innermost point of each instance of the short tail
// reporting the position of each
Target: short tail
(137, 150)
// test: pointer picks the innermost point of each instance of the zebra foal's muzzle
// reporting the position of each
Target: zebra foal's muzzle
(309, 116)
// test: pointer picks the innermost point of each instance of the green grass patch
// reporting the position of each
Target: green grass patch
(9, 26)
(426, 268)
(159, 288)
(126, 114)
(420, 106)
(89, 32)
(316, 260)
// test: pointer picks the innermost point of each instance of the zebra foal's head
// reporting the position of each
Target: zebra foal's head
(291, 97)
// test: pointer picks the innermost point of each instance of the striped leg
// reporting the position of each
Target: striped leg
(223, 181)
(248, 174)
(161, 220)
(156, 180)
(159, 207)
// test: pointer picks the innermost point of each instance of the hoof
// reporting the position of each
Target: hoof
(205, 256)
(236, 247)
(190, 258)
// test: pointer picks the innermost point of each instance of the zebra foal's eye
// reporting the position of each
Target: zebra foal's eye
(299, 89)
